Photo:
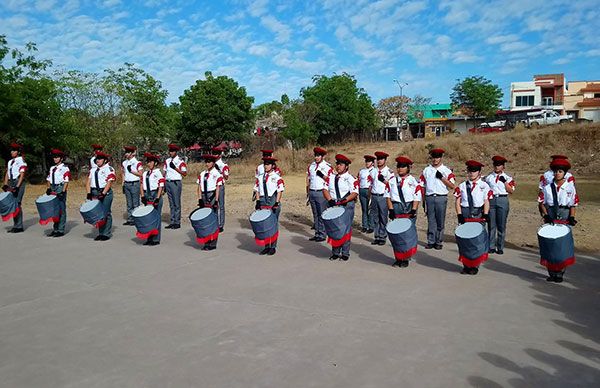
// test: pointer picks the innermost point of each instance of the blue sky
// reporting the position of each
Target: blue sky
(273, 47)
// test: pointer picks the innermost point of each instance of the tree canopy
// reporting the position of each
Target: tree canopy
(476, 96)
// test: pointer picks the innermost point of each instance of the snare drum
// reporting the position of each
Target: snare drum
(147, 221)
(9, 206)
(402, 233)
(93, 213)
(48, 208)
(206, 224)
(337, 225)
(473, 244)
(265, 226)
(557, 248)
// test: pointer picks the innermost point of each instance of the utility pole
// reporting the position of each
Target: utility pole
(401, 85)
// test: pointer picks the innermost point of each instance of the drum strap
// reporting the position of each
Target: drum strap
(470, 197)
(205, 182)
(96, 181)
(265, 192)
(554, 198)
(10, 164)
(338, 196)
(400, 193)
(52, 175)
(148, 180)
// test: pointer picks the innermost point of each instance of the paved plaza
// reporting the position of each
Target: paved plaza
(80, 313)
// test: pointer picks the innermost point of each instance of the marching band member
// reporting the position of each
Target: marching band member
(436, 180)
(223, 168)
(99, 186)
(175, 169)
(269, 187)
(151, 191)
(364, 193)
(380, 177)
(260, 169)
(210, 184)
(473, 203)
(317, 179)
(502, 185)
(342, 191)
(547, 177)
(403, 194)
(131, 170)
(14, 181)
(558, 201)
(57, 184)
(96, 148)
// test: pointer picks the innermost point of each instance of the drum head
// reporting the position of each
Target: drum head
(333, 213)
(469, 230)
(200, 214)
(260, 215)
(89, 205)
(553, 231)
(142, 211)
(399, 225)
(45, 198)
(4, 194)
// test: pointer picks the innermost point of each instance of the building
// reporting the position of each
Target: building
(546, 91)
(582, 100)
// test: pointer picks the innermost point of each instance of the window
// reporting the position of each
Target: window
(524, 101)
(547, 101)
(596, 95)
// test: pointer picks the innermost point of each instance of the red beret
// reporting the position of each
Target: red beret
(209, 157)
(173, 147)
(369, 158)
(150, 156)
(267, 152)
(474, 164)
(269, 160)
(437, 151)
(97, 147)
(403, 160)
(554, 157)
(342, 159)
(16, 146)
(102, 155)
(560, 163)
(129, 148)
(57, 152)
(499, 159)
(381, 155)
(319, 151)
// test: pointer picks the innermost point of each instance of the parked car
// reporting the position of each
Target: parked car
(546, 117)
(494, 126)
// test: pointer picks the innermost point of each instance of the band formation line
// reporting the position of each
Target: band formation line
(389, 201)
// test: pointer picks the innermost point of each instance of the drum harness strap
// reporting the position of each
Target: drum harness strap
(10, 177)
(205, 187)
(470, 197)
(554, 199)
(97, 182)
(266, 196)
(338, 195)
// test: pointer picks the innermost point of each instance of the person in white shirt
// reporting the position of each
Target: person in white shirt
(380, 176)
(269, 188)
(548, 176)
(14, 181)
(260, 169)
(342, 191)
(95, 149)
(175, 169)
(99, 186)
(472, 204)
(317, 178)
(502, 186)
(557, 203)
(152, 187)
(57, 183)
(364, 194)
(210, 183)
(437, 180)
(223, 168)
(131, 171)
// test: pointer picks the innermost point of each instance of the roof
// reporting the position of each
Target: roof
(432, 111)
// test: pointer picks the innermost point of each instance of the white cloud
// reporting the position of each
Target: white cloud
(499, 39)
(259, 50)
(516, 46)
(464, 57)
(561, 61)
(44, 5)
(282, 31)
(258, 7)
(110, 3)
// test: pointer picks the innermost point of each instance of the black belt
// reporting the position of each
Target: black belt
(564, 207)
(377, 195)
(436, 195)
(173, 180)
(316, 190)
(500, 195)
(132, 181)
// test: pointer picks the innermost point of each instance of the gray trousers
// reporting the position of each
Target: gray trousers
(270, 201)
(367, 216)
(62, 205)
(436, 218)
(132, 197)
(18, 220)
(318, 204)
(173, 189)
(151, 196)
(344, 250)
(499, 208)
(106, 229)
(221, 212)
(379, 211)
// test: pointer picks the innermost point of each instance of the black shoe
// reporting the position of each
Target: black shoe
(375, 242)
(272, 251)
(58, 234)
(51, 234)
(369, 231)
(363, 230)
(211, 248)
(381, 242)
(320, 239)
(333, 257)
(147, 242)
(175, 226)
(98, 238)
(313, 238)
(550, 278)
(396, 264)
(153, 243)
(16, 230)
(465, 271)
(500, 252)
(128, 223)
(170, 226)
(558, 279)
(429, 246)
(344, 258)
(264, 251)
(492, 251)
(404, 263)
(221, 230)
(312, 228)
(103, 238)
(474, 271)
(438, 246)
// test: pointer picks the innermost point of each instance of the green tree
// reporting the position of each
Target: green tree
(476, 97)
(343, 109)
(299, 124)
(215, 109)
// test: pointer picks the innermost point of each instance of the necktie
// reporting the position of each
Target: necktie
(265, 192)
(96, 181)
(337, 188)
(12, 162)
(554, 198)
(148, 180)
(52, 176)
(470, 197)
(400, 193)
(205, 183)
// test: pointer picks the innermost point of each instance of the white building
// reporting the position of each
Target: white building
(544, 92)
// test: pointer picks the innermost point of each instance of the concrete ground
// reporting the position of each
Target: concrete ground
(80, 313)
